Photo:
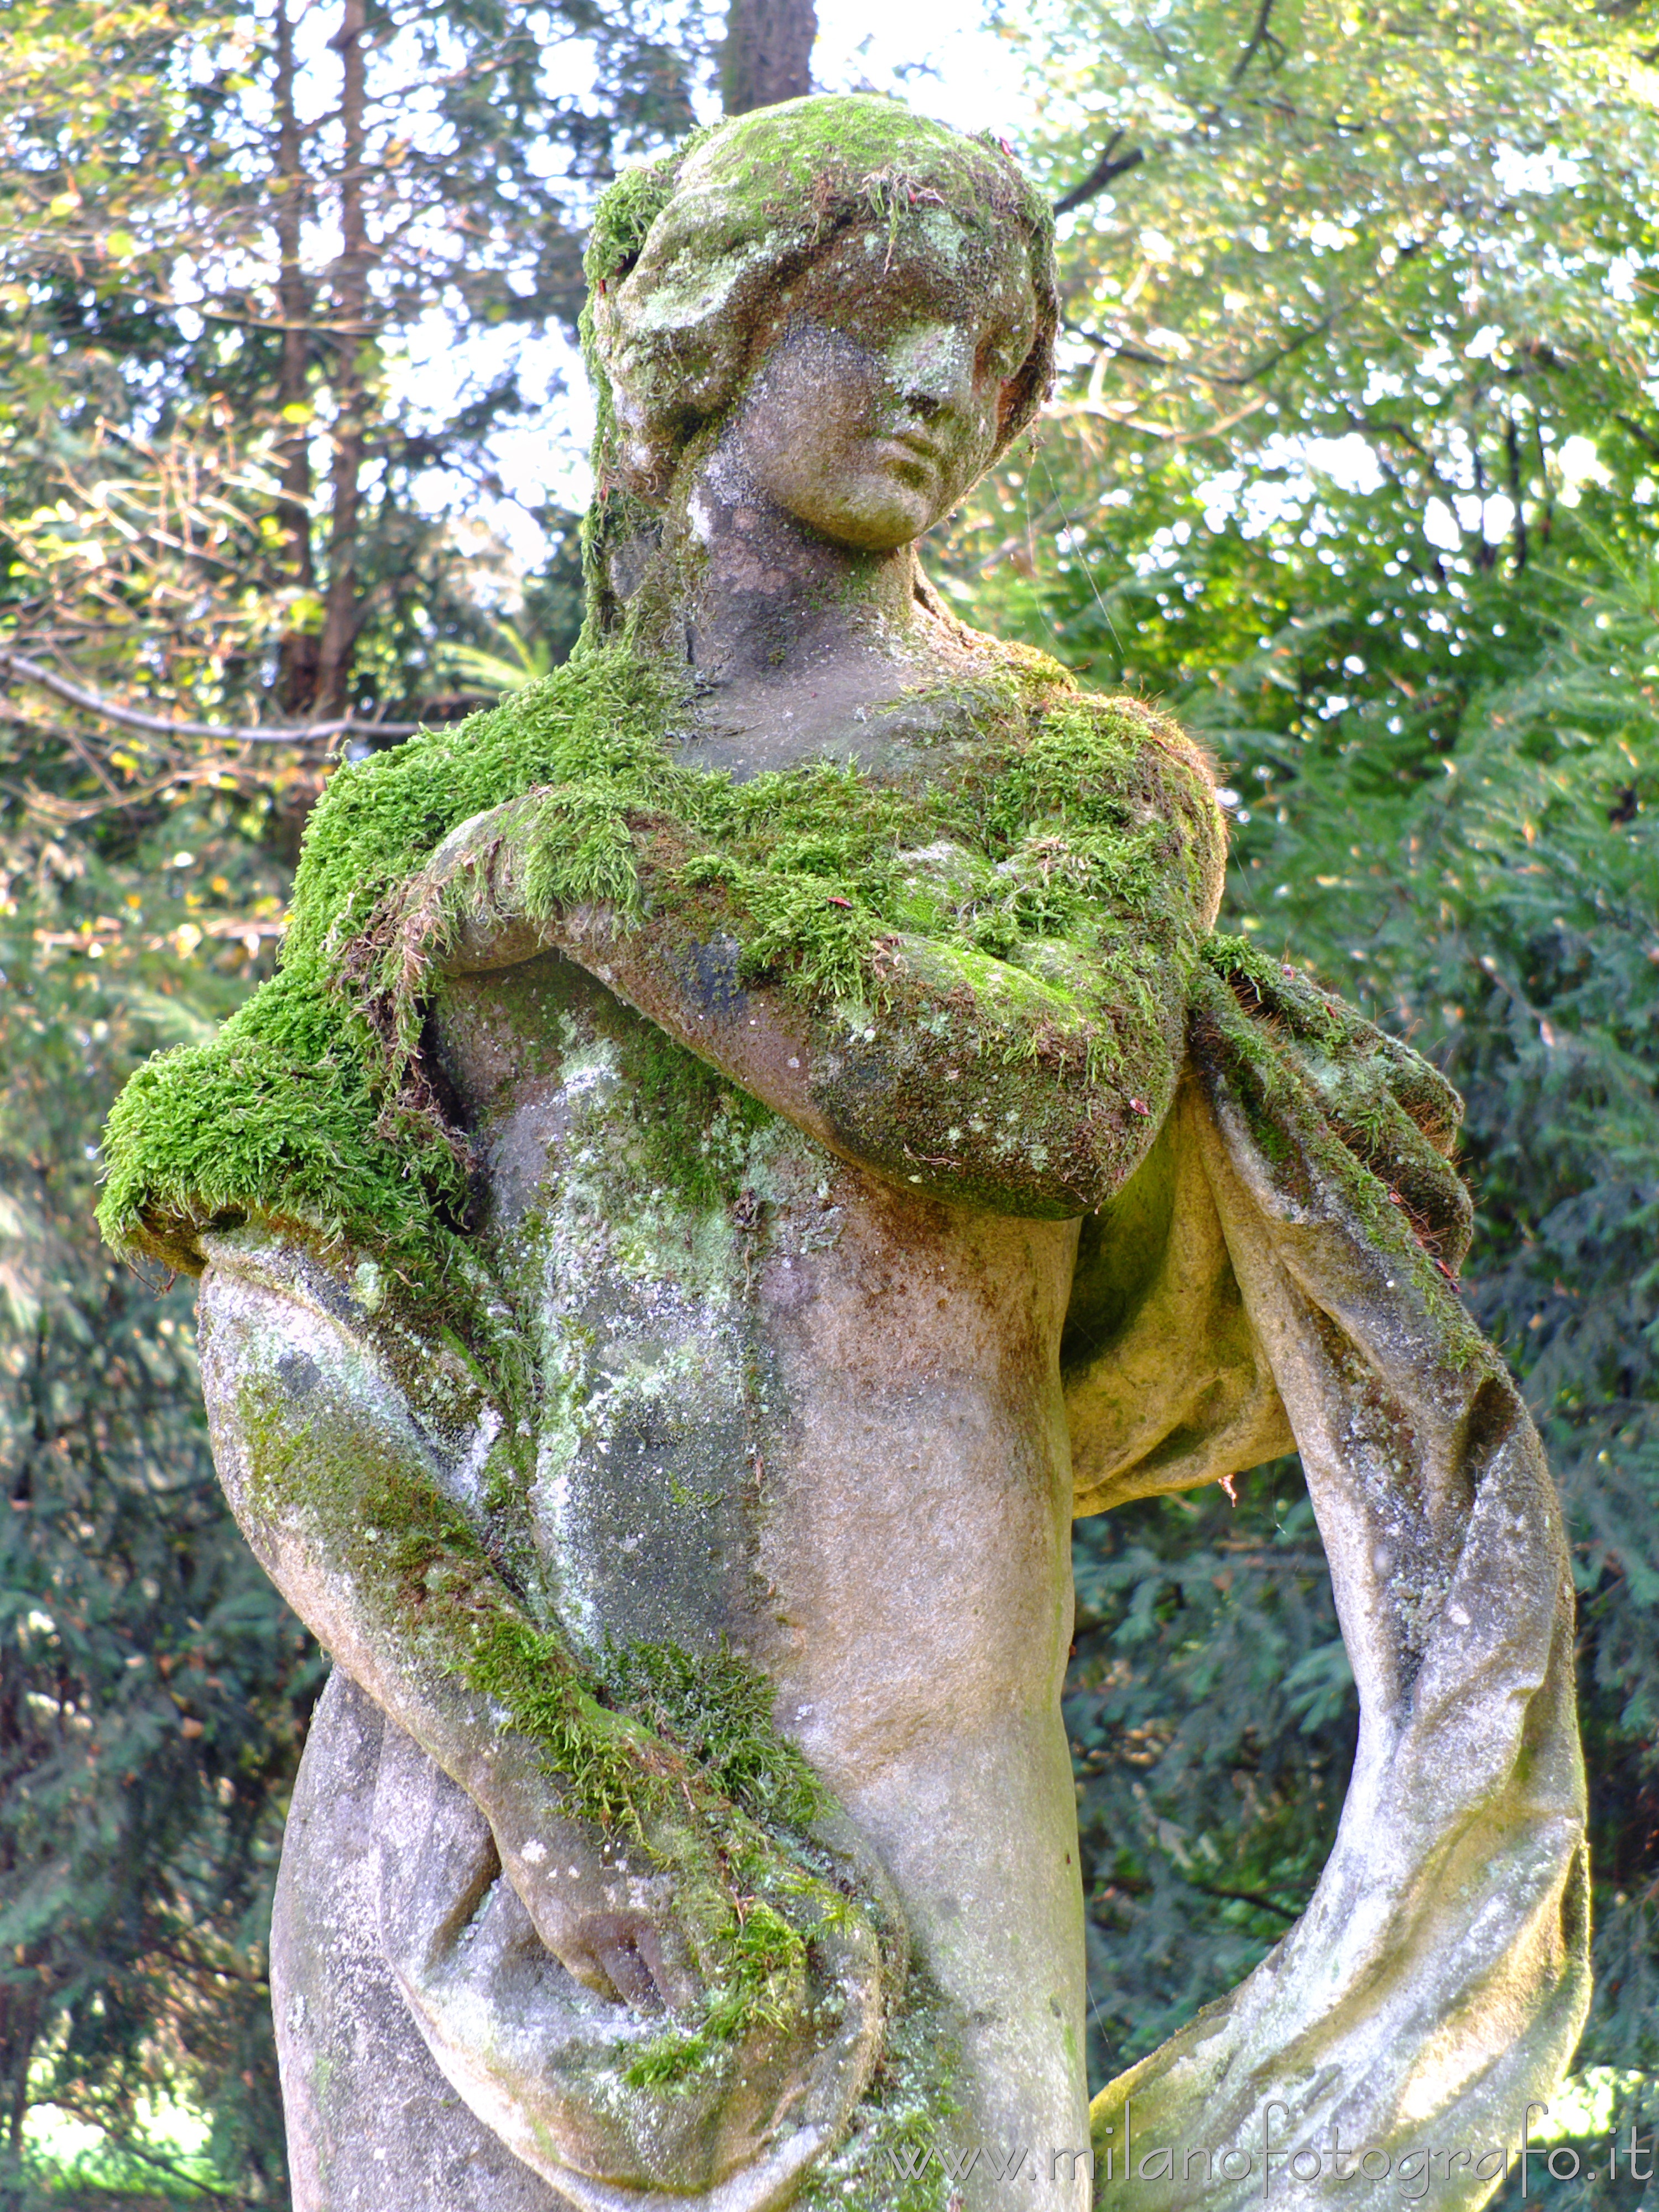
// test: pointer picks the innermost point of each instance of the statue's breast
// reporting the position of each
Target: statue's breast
(628, 1191)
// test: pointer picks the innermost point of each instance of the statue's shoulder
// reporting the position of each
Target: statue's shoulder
(1119, 763)
(283, 1118)
(601, 712)
(1122, 730)
(1116, 750)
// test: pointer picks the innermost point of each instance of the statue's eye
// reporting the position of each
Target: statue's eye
(1000, 355)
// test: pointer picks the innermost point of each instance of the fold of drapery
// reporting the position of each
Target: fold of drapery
(1437, 1981)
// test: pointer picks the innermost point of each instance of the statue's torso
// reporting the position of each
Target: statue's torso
(783, 1405)
(738, 1391)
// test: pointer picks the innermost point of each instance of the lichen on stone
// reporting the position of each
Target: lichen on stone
(890, 2156)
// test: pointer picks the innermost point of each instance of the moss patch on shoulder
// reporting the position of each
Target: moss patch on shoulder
(286, 1114)
(1079, 838)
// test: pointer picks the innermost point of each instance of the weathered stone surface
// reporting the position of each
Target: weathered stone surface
(370, 2120)
(830, 1432)
(1439, 1977)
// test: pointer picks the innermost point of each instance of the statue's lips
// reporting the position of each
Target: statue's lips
(908, 451)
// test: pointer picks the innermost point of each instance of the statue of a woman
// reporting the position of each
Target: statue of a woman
(744, 1136)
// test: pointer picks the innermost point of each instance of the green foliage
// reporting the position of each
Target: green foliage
(219, 447)
(153, 1688)
(1312, 220)
(1210, 1711)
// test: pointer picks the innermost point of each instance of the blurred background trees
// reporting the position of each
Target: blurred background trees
(1353, 462)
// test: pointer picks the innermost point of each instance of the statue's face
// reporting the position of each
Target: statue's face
(880, 401)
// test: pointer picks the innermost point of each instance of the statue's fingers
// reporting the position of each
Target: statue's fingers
(668, 1959)
(1417, 1176)
(623, 1948)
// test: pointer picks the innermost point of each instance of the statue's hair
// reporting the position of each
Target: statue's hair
(689, 254)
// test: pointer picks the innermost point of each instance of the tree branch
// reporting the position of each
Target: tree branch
(1111, 164)
(1646, 439)
(342, 608)
(1250, 1897)
(113, 710)
(1260, 36)
(1123, 349)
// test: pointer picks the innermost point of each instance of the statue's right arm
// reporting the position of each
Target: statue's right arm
(347, 1492)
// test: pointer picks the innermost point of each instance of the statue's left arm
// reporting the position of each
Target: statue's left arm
(1282, 1270)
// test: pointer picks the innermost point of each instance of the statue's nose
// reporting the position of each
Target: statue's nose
(933, 370)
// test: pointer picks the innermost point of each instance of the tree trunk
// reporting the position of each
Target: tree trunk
(350, 333)
(297, 653)
(768, 52)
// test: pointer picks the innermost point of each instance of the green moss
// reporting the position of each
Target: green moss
(693, 1131)
(872, 148)
(282, 1115)
(764, 1968)
(676, 1752)
(610, 1770)
(625, 213)
(1083, 829)
(717, 1708)
(288, 1114)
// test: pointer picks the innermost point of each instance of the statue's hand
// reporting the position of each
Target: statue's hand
(578, 2078)
(596, 1902)
(1394, 1113)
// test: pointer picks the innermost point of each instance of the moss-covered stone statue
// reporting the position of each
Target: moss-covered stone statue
(747, 1137)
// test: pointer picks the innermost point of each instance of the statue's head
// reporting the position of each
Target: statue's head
(853, 301)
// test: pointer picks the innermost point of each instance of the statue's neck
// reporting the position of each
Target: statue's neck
(774, 598)
(790, 639)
